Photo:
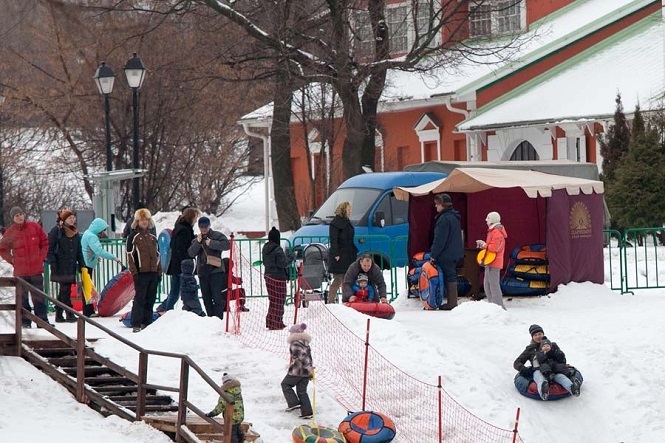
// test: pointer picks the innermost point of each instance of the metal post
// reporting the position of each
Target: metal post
(366, 364)
(107, 116)
(440, 401)
(135, 152)
(517, 422)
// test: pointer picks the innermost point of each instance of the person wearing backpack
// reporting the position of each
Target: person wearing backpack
(181, 238)
(65, 259)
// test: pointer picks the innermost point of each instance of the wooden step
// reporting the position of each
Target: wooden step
(119, 389)
(250, 436)
(156, 408)
(69, 361)
(92, 371)
(55, 352)
(97, 381)
(150, 399)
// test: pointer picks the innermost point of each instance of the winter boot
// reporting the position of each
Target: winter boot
(58, 315)
(575, 389)
(545, 390)
(451, 290)
(71, 318)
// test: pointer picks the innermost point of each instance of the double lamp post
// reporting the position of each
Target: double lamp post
(104, 78)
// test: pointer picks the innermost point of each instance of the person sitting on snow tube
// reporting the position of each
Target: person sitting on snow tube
(362, 290)
(534, 373)
(364, 265)
(552, 364)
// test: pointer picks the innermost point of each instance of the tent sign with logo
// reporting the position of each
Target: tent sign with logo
(565, 213)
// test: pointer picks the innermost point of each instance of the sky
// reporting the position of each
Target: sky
(609, 337)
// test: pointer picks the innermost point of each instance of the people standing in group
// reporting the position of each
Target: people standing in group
(448, 246)
(181, 238)
(275, 274)
(366, 266)
(145, 265)
(25, 246)
(65, 259)
(232, 387)
(207, 247)
(343, 250)
(496, 243)
(93, 253)
(300, 371)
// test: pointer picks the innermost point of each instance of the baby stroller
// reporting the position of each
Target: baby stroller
(314, 275)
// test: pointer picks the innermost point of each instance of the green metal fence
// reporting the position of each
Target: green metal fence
(635, 259)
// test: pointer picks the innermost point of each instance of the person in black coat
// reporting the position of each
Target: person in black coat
(343, 250)
(65, 258)
(275, 263)
(189, 289)
(181, 238)
(447, 247)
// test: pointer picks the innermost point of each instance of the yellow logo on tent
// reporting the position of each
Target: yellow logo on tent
(580, 221)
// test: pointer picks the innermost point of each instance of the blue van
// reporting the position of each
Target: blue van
(380, 220)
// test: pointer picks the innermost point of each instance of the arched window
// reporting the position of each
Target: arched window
(524, 151)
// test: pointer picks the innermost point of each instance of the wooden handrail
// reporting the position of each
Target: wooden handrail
(141, 380)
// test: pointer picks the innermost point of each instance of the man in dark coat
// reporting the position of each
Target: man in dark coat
(181, 238)
(275, 274)
(212, 278)
(447, 247)
(65, 259)
(364, 265)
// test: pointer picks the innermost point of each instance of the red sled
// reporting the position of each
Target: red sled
(116, 294)
(374, 309)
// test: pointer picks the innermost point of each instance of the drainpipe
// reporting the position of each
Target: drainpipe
(465, 113)
(266, 169)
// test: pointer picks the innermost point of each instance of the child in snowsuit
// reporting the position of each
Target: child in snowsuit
(231, 386)
(300, 371)
(362, 290)
(237, 293)
(189, 290)
(551, 362)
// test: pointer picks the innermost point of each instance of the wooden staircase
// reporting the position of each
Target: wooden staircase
(203, 430)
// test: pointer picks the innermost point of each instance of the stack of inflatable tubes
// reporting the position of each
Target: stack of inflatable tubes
(527, 387)
(529, 273)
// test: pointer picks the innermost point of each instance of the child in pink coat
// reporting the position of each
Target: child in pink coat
(495, 242)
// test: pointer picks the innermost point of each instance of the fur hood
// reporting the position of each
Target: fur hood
(303, 336)
(142, 214)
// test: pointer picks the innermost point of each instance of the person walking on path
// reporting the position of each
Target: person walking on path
(343, 250)
(65, 259)
(25, 246)
(207, 247)
(496, 243)
(448, 246)
(146, 268)
(181, 238)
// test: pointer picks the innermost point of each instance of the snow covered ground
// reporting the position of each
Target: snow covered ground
(611, 338)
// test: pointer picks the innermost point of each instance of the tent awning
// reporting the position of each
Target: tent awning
(533, 183)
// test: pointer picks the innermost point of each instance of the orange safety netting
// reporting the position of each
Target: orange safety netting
(422, 412)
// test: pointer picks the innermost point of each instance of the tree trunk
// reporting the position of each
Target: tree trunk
(352, 151)
(284, 190)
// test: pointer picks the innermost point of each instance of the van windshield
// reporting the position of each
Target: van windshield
(361, 200)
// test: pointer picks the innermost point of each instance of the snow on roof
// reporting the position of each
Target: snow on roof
(631, 62)
(544, 36)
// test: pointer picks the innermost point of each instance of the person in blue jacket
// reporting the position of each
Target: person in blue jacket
(447, 247)
(93, 253)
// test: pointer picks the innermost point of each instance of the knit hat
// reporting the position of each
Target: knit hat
(204, 222)
(15, 210)
(533, 329)
(274, 235)
(226, 377)
(362, 277)
(298, 328)
(65, 214)
(493, 218)
(545, 342)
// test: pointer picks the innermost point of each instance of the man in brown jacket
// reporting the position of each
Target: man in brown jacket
(144, 264)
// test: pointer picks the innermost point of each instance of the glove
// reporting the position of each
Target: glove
(210, 414)
(432, 262)
(525, 372)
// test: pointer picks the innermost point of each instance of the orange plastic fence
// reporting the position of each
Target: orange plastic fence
(422, 412)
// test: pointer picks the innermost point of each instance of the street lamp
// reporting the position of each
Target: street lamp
(104, 77)
(135, 73)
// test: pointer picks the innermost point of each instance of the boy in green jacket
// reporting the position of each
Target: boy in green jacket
(231, 386)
